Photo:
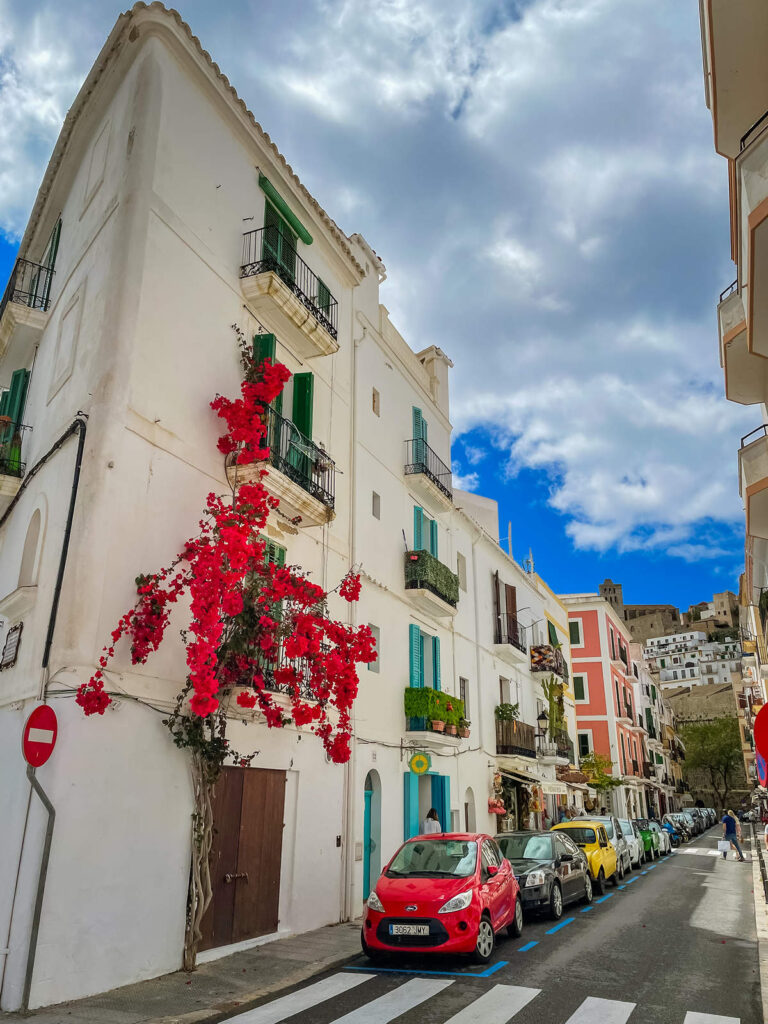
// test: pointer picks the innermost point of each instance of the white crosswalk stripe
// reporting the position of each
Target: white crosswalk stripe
(607, 1011)
(304, 999)
(396, 1002)
(497, 1006)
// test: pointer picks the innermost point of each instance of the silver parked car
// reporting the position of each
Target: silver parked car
(616, 836)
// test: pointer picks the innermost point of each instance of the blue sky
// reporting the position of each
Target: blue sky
(539, 178)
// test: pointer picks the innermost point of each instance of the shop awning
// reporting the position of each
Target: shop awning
(520, 775)
(554, 789)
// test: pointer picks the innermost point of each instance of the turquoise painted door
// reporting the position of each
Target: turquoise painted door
(367, 849)
(441, 800)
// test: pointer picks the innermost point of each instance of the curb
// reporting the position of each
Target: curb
(761, 919)
(223, 1011)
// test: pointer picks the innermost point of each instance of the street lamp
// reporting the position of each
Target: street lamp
(542, 720)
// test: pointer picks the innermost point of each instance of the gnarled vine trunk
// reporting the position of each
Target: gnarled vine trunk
(200, 890)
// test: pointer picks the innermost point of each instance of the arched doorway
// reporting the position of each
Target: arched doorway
(371, 832)
(469, 811)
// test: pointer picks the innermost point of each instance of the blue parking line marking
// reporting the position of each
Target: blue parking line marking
(527, 946)
(624, 886)
(604, 898)
(631, 880)
(650, 867)
(586, 910)
(568, 920)
(643, 872)
(442, 974)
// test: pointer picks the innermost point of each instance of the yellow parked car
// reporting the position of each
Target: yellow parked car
(591, 837)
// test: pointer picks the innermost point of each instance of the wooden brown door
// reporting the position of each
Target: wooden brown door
(246, 855)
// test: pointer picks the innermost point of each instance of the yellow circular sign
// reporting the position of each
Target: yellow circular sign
(420, 763)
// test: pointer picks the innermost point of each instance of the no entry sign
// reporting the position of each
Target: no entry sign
(39, 736)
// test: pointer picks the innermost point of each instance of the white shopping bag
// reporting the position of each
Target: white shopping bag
(723, 846)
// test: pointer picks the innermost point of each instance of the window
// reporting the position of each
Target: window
(376, 505)
(505, 697)
(585, 746)
(663, 662)
(273, 552)
(373, 666)
(578, 687)
(618, 697)
(623, 756)
(464, 694)
(461, 571)
(424, 658)
(376, 402)
(424, 532)
(613, 645)
(574, 630)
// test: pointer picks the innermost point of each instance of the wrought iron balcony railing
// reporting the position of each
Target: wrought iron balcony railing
(425, 572)
(419, 458)
(267, 249)
(564, 746)
(635, 767)
(513, 737)
(10, 447)
(647, 772)
(29, 285)
(300, 459)
(509, 631)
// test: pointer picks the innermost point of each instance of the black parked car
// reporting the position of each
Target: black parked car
(550, 868)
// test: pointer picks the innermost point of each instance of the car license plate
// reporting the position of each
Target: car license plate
(409, 929)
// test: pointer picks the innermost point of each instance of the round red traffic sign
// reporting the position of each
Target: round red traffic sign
(39, 736)
(760, 732)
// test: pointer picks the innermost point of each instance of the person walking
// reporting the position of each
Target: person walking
(431, 823)
(731, 830)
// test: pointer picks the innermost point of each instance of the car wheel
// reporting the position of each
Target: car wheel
(485, 940)
(587, 889)
(372, 954)
(515, 929)
(555, 902)
(619, 872)
(615, 877)
(600, 883)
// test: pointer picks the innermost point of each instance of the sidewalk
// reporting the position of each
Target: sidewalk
(214, 989)
(754, 841)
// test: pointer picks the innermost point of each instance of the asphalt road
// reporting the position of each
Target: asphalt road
(676, 944)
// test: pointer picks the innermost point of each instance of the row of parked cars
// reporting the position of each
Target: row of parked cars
(455, 892)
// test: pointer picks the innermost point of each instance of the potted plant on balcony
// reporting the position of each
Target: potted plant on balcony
(507, 712)
(451, 727)
(417, 704)
(464, 725)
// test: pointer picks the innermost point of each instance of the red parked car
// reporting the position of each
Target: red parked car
(443, 893)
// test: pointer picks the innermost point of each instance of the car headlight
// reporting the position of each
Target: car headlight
(535, 878)
(460, 902)
(374, 903)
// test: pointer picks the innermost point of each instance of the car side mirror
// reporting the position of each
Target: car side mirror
(492, 870)
(566, 857)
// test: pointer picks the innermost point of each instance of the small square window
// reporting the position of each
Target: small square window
(376, 402)
(574, 631)
(376, 505)
(373, 666)
(578, 687)
(461, 571)
(464, 694)
(583, 744)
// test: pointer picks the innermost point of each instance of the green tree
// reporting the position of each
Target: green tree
(598, 768)
(714, 749)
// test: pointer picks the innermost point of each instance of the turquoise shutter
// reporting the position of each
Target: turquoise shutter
(410, 805)
(418, 528)
(303, 395)
(419, 437)
(436, 662)
(417, 423)
(414, 641)
(441, 800)
(433, 537)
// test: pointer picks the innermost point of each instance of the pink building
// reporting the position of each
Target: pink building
(607, 721)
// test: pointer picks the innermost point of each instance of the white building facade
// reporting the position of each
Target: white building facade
(689, 659)
(165, 216)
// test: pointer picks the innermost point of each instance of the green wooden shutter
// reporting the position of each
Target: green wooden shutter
(418, 528)
(15, 403)
(323, 296)
(573, 632)
(263, 348)
(433, 537)
(414, 646)
(552, 632)
(436, 662)
(653, 692)
(417, 422)
(578, 687)
(303, 394)
(4, 402)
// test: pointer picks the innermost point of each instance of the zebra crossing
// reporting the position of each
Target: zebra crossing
(704, 851)
(498, 1004)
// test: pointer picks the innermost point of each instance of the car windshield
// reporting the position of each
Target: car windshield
(654, 826)
(642, 823)
(581, 836)
(608, 827)
(435, 858)
(626, 828)
(526, 847)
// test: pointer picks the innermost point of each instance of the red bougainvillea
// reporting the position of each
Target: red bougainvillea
(257, 629)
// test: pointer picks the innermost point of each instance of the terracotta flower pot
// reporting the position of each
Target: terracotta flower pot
(451, 730)
(438, 726)
(464, 732)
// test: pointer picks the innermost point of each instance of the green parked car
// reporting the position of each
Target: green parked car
(650, 839)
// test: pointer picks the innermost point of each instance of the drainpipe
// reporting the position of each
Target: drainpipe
(43, 873)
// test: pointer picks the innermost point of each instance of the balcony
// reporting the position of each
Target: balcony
(647, 770)
(431, 586)
(431, 477)
(508, 639)
(302, 475)
(287, 295)
(746, 374)
(424, 708)
(24, 310)
(564, 746)
(753, 480)
(12, 467)
(734, 39)
(515, 738)
(546, 658)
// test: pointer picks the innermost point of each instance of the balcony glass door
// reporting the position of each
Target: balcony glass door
(279, 244)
